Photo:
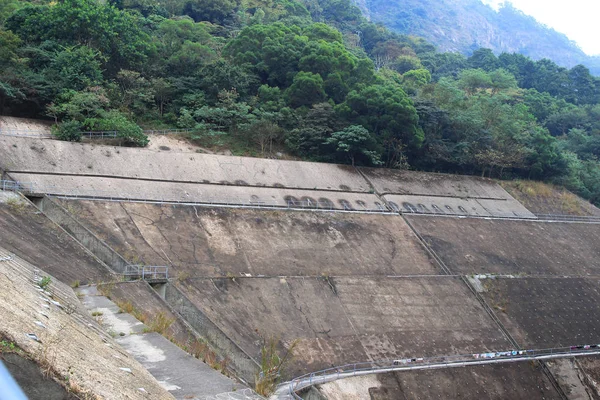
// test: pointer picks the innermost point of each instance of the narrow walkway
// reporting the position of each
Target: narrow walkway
(184, 376)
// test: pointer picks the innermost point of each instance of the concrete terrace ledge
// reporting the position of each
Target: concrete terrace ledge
(56, 157)
(104, 172)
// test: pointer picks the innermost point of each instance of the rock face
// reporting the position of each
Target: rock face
(466, 25)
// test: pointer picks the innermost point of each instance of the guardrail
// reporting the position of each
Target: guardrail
(147, 272)
(290, 389)
(569, 218)
(244, 394)
(535, 217)
(33, 133)
(44, 134)
(236, 202)
(290, 204)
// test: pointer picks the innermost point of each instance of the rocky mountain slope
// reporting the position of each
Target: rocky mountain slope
(466, 25)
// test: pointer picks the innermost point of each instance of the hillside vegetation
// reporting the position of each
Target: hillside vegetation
(313, 78)
(464, 26)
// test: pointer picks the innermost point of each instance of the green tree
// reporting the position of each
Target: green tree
(215, 11)
(306, 90)
(355, 143)
(386, 111)
(117, 34)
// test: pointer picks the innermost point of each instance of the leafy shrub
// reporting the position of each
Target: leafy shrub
(128, 131)
(68, 131)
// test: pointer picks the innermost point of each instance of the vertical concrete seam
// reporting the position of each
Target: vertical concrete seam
(489, 311)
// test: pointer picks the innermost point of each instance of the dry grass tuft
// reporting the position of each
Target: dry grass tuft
(159, 323)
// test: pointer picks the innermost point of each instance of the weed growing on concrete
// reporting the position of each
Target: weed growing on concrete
(97, 313)
(16, 204)
(75, 284)
(46, 354)
(45, 282)
(106, 289)
(272, 366)
(7, 346)
(129, 308)
(159, 323)
(230, 276)
(182, 276)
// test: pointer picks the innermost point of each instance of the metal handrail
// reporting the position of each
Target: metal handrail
(40, 133)
(147, 272)
(290, 388)
(302, 204)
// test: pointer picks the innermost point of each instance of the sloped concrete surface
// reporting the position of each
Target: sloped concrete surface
(212, 242)
(184, 376)
(54, 329)
(53, 156)
(122, 188)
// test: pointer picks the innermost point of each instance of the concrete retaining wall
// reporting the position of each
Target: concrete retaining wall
(107, 187)
(90, 241)
(389, 181)
(240, 362)
(458, 206)
(53, 156)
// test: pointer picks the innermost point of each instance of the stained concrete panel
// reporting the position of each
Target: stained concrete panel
(388, 181)
(30, 235)
(348, 319)
(547, 312)
(53, 156)
(199, 193)
(436, 205)
(479, 246)
(505, 208)
(202, 241)
(518, 381)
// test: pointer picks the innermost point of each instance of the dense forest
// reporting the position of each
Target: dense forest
(464, 26)
(313, 78)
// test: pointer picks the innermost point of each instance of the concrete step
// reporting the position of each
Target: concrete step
(184, 376)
